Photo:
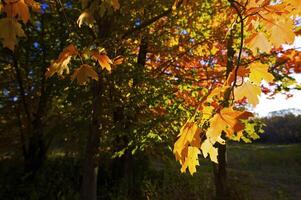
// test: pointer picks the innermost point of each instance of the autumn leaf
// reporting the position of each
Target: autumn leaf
(189, 135)
(282, 33)
(227, 120)
(85, 17)
(83, 73)
(208, 149)
(248, 90)
(259, 72)
(118, 60)
(192, 160)
(10, 29)
(18, 9)
(60, 65)
(103, 60)
(35, 6)
(241, 72)
(259, 41)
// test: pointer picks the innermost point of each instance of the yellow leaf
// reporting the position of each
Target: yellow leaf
(83, 73)
(227, 120)
(248, 90)
(85, 17)
(208, 149)
(10, 29)
(18, 8)
(259, 72)
(189, 135)
(192, 160)
(282, 33)
(259, 41)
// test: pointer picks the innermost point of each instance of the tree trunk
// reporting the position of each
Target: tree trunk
(90, 166)
(220, 174)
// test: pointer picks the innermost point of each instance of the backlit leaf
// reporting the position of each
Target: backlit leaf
(192, 160)
(208, 149)
(103, 60)
(248, 90)
(259, 72)
(227, 120)
(60, 65)
(84, 73)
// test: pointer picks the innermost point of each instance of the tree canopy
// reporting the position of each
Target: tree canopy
(136, 73)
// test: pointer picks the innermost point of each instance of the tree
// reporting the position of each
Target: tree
(213, 55)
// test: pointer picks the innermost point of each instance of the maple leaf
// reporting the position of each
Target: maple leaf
(248, 90)
(118, 60)
(85, 17)
(189, 135)
(208, 149)
(103, 60)
(10, 29)
(60, 65)
(83, 73)
(258, 72)
(18, 8)
(259, 41)
(282, 33)
(192, 160)
(227, 120)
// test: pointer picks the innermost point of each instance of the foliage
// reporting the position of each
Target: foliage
(145, 67)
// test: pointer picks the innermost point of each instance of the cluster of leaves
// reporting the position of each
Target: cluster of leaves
(219, 110)
(212, 56)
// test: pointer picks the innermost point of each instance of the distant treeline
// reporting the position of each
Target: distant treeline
(282, 129)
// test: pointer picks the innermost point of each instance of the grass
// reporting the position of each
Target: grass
(255, 172)
(267, 171)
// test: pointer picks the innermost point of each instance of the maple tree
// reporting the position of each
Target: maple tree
(213, 56)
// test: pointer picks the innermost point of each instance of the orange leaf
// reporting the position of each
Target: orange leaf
(118, 60)
(227, 120)
(10, 29)
(248, 90)
(18, 8)
(61, 64)
(103, 60)
(83, 73)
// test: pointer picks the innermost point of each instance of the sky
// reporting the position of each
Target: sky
(280, 101)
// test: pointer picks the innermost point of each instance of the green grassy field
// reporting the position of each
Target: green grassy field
(255, 172)
(267, 171)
